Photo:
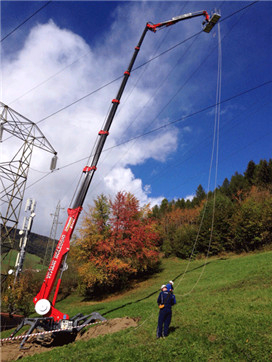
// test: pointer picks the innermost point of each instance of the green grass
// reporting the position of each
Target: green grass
(225, 316)
(31, 262)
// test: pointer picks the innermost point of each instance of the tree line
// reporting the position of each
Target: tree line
(236, 217)
(119, 240)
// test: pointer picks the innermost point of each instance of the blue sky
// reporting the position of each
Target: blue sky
(70, 49)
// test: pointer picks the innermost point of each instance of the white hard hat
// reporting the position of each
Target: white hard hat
(171, 282)
(163, 286)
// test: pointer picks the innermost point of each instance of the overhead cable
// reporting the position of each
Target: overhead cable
(171, 123)
(186, 81)
(239, 10)
(114, 80)
(192, 114)
(141, 65)
(31, 16)
(136, 68)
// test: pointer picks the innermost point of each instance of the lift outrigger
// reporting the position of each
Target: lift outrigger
(50, 318)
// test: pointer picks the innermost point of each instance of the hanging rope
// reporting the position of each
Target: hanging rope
(215, 150)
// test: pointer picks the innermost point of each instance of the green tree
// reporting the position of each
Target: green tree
(183, 240)
(164, 208)
(200, 195)
(178, 231)
(267, 219)
(252, 223)
(180, 203)
(18, 297)
(250, 172)
(156, 211)
(247, 226)
(238, 185)
(221, 212)
(101, 214)
(263, 174)
(225, 188)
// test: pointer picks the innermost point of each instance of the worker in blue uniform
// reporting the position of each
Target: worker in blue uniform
(170, 286)
(165, 302)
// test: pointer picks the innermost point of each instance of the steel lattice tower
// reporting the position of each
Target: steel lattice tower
(52, 237)
(14, 173)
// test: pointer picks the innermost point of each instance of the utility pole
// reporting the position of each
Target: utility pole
(26, 228)
(52, 237)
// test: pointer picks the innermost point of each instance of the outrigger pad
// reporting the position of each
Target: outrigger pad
(71, 327)
(44, 322)
(80, 321)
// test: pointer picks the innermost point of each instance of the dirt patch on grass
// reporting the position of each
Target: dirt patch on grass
(10, 350)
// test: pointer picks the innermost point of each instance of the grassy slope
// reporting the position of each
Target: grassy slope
(31, 261)
(227, 316)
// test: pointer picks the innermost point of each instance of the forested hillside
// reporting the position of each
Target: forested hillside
(36, 244)
(119, 240)
(236, 217)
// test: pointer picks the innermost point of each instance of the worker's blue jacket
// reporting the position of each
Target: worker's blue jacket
(169, 287)
(166, 298)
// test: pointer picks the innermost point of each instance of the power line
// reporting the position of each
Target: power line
(49, 78)
(239, 10)
(80, 99)
(120, 77)
(136, 68)
(55, 74)
(189, 154)
(165, 125)
(215, 105)
(114, 80)
(31, 16)
(37, 181)
(194, 72)
(143, 64)
(191, 114)
(170, 123)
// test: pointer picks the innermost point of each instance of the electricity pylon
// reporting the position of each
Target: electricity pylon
(14, 172)
(52, 237)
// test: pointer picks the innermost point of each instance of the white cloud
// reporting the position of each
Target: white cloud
(122, 179)
(29, 87)
(72, 132)
(189, 197)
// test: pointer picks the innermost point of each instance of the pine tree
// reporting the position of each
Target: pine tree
(250, 172)
(225, 188)
(264, 177)
(164, 206)
(200, 194)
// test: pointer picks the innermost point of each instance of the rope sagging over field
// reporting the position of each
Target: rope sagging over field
(214, 154)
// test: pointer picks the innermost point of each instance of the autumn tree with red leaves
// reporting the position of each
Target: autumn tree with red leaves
(117, 241)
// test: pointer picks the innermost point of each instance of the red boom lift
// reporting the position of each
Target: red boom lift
(52, 319)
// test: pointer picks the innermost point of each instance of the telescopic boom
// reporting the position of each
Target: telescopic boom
(58, 263)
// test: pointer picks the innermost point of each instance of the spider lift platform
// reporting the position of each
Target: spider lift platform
(207, 27)
(51, 319)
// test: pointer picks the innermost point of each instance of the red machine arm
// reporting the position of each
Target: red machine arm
(42, 306)
(153, 27)
(58, 262)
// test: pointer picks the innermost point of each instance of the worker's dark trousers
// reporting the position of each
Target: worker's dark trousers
(164, 321)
